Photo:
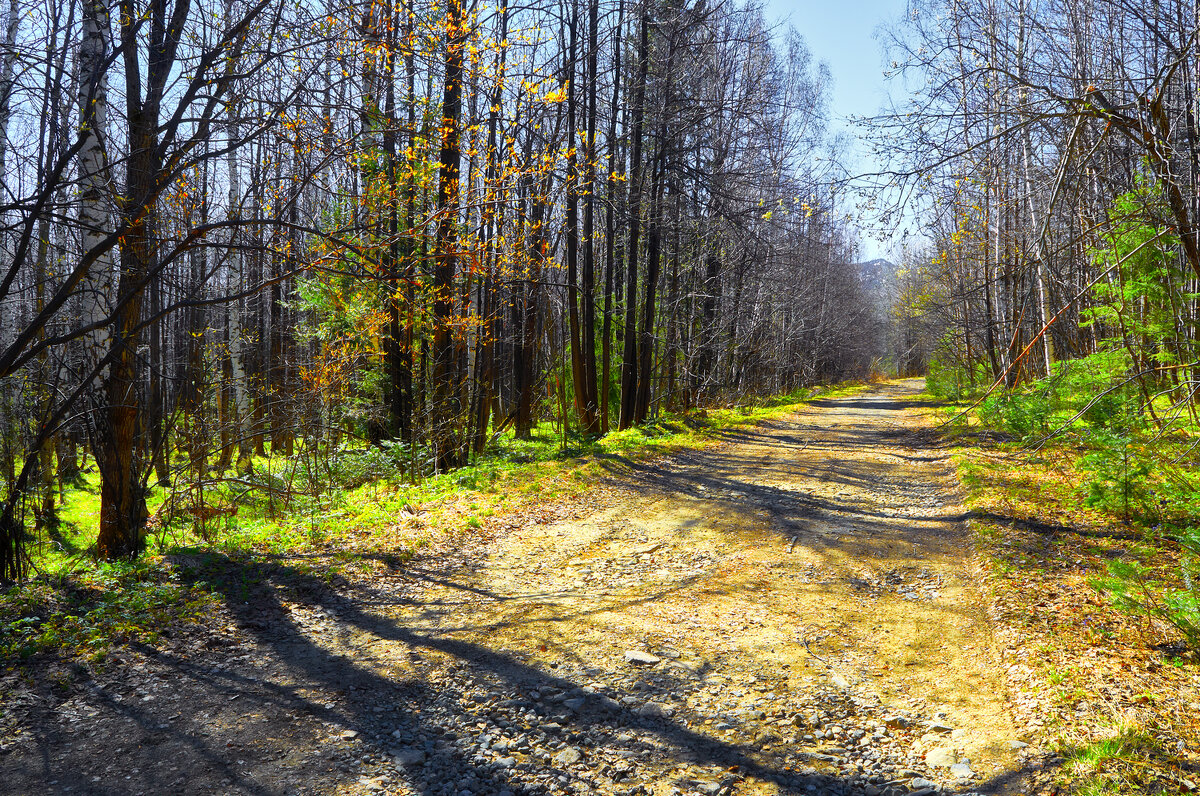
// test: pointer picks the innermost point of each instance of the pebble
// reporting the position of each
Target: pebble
(941, 757)
(640, 658)
(655, 710)
(568, 757)
(408, 757)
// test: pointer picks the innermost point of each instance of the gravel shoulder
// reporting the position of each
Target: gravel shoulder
(795, 610)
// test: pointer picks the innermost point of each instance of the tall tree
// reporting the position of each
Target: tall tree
(447, 412)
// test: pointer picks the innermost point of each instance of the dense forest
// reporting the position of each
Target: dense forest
(259, 230)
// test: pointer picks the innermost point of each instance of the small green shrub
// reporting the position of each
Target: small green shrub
(945, 381)
(1112, 766)
(1120, 482)
(1132, 588)
(1023, 414)
(1095, 389)
(1146, 485)
(952, 382)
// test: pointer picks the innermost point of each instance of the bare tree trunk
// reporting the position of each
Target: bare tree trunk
(115, 401)
(571, 221)
(9, 553)
(610, 232)
(525, 309)
(591, 400)
(96, 190)
(446, 409)
(492, 220)
(629, 359)
(646, 344)
(192, 389)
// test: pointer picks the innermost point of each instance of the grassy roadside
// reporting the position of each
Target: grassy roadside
(364, 520)
(1111, 697)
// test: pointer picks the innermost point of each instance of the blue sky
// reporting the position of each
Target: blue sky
(842, 34)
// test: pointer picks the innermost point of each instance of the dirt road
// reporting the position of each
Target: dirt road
(793, 611)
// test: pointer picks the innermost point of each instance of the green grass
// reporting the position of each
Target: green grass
(83, 614)
(1107, 467)
(1111, 765)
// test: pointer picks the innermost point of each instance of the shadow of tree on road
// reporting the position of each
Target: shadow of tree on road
(442, 722)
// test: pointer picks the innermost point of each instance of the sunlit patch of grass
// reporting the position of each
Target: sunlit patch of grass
(1112, 765)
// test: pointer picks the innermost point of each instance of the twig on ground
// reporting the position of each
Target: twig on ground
(804, 639)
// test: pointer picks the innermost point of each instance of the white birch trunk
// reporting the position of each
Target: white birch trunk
(11, 24)
(237, 344)
(95, 180)
(1040, 270)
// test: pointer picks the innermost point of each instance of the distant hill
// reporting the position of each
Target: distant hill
(876, 275)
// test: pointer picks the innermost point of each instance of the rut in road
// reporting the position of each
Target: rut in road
(793, 611)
